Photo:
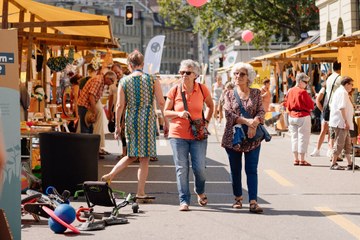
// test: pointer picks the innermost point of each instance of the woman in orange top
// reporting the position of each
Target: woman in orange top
(299, 103)
(182, 140)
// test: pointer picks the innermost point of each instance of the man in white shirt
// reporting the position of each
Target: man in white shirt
(333, 79)
(341, 121)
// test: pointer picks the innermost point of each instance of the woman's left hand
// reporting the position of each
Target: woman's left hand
(251, 132)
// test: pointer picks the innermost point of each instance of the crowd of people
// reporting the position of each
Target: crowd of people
(334, 103)
(131, 109)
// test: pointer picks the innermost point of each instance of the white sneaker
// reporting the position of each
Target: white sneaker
(315, 153)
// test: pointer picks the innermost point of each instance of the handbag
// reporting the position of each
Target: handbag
(111, 126)
(326, 110)
(239, 135)
(261, 132)
(198, 128)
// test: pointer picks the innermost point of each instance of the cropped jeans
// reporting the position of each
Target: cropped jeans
(251, 166)
(182, 149)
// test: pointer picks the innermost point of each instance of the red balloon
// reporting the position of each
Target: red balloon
(197, 3)
(247, 36)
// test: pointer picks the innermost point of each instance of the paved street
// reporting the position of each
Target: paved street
(299, 202)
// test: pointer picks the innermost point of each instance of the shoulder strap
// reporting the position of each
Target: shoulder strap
(332, 89)
(202, 93)
(184, 99)
(185, 103)
(242, 110)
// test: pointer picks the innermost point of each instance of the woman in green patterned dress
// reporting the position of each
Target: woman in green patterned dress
(136, 94)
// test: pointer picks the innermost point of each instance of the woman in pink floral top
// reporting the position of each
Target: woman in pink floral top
(243, 76)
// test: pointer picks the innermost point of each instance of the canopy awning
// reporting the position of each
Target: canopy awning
(330, 48)
(57, 26)
(294, 54)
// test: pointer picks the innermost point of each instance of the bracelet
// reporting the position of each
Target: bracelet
(207, 121)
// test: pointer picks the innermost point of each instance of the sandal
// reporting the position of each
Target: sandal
(238, 203)
(202, 200)
(304, 163)
(296, 163)
(184, 207)
(103, 152)
(336, 167)
(255, 208)
(154, 159)
(350, 167)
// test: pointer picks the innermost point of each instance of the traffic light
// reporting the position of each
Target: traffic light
(221, 62)
(211, 67)
(129, 15)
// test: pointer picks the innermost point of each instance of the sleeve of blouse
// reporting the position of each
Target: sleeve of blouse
(307, 100)
(230, 114)
(170, 94)
(260, 112)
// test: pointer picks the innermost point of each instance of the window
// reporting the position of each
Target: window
(328, 32)
(340, 27)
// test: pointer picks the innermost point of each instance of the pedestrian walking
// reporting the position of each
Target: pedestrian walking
(341, 121)
(136, 94)
(184, 105)
(250, 98)
(299, 104)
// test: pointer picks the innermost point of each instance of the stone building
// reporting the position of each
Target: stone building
(338, 17)
(178, 44)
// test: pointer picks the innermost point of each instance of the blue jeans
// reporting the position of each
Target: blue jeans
(251, 166)
(182, 148)
(83, 129)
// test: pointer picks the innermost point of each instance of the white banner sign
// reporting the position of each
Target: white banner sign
(153, 54)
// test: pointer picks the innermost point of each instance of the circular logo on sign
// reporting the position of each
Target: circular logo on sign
(231, 59)
(222, 47)
(155, 47)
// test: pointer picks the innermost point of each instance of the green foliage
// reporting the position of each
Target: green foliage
(265, 18)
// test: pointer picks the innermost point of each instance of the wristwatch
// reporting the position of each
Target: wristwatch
(207, 121)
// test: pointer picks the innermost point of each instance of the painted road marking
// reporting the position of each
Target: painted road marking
(159, 166)
(343, 222)
(173, 182)
(277, 177)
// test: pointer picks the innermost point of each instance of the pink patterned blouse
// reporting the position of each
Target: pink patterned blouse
(253, 105)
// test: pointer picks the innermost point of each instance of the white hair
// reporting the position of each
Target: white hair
(250, 70)
(192, 64)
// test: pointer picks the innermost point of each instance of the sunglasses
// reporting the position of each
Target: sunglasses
(306, 82)
(186, 72)
(241, 74)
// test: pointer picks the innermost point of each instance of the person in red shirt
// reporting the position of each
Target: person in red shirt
(299, 104)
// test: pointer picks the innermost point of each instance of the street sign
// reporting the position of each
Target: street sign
(6, 57)
(2, 69)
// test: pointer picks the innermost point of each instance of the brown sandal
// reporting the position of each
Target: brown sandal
(238, 203)
(202, 200)
(255, 208)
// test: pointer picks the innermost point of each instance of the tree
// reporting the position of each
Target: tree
(266, 18)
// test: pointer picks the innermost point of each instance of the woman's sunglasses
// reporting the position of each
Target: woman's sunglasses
(240, 73)
(186, 72)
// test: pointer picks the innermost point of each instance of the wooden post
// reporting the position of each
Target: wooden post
(5, 231)
(5, 10)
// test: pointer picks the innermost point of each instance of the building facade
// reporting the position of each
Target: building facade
(178, 44)
(338, 17)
